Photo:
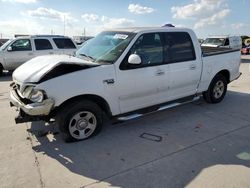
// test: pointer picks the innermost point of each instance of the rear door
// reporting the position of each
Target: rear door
(42, 47)
(65, 46)
(184, 67)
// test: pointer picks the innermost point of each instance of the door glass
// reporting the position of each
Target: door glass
(179, 47)
(21, 45)
(149, 47)
(42, 44)
(64, 43)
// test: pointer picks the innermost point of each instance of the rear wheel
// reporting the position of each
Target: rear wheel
(217, 90)
(80, 120)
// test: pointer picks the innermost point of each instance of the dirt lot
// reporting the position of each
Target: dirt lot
(194, 145)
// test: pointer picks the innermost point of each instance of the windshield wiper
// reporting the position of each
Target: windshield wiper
(87, 56)
(102, 61)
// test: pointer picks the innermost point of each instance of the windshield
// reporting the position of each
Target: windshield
(215, 41)
(105, 47)
(5, 45)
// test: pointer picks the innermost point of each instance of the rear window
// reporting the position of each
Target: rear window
(179, 47)
(42, 44)
(64, 43)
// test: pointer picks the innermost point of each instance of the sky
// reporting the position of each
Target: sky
(89, 17)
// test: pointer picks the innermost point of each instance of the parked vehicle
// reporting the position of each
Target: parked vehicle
(233, 42)
(84, 43)
(245, 50)
(2, 41)
(21, 49)
(246, 42)
(122, 73)
(201, 41)
(79, 40)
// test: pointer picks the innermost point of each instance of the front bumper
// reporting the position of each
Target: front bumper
(35, 109)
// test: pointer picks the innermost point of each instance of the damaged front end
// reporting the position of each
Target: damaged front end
(63, 69)
(33, 104)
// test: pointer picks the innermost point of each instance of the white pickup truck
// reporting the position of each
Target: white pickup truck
(17, 51)
(122, 73)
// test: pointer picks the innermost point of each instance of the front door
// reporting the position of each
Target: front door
(138, 85)
(20, 52)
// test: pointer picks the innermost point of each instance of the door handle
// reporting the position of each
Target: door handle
(160, 72)
(192, 67)
(30, 53)
(51, 53)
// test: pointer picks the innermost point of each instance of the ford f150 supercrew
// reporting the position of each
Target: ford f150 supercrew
(122, 73)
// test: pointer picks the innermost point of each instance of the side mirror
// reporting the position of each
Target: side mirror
(9, 49)
(134, 59)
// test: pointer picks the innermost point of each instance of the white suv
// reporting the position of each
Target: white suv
(21, 49)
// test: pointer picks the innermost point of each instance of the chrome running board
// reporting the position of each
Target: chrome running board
(126, 118)
(164, 107)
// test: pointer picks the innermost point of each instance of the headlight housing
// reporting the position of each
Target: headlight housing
(36, 96)
(33, 94)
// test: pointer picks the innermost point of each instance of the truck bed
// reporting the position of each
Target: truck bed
(209, 51)
(216, 60)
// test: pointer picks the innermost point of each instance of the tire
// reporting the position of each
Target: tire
(80, 120)
(217, 90)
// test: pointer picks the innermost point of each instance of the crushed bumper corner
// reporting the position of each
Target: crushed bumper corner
(34, 109)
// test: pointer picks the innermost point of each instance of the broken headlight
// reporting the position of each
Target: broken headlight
(33, 94)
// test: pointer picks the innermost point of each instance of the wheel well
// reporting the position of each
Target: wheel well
(226, 74)
(102, 103)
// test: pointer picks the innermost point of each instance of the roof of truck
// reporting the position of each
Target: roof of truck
(140, 29)
(41, 36)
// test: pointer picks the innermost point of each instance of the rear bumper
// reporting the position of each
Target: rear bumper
(30, 112)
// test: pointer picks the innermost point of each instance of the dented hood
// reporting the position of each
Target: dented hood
(38, 68)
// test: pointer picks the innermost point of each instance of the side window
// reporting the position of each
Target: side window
(150, 49)
(64, 43)
(43, 44)
(179, 47)
(21, 45)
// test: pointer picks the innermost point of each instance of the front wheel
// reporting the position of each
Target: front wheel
(217, 90)
(80, 120)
